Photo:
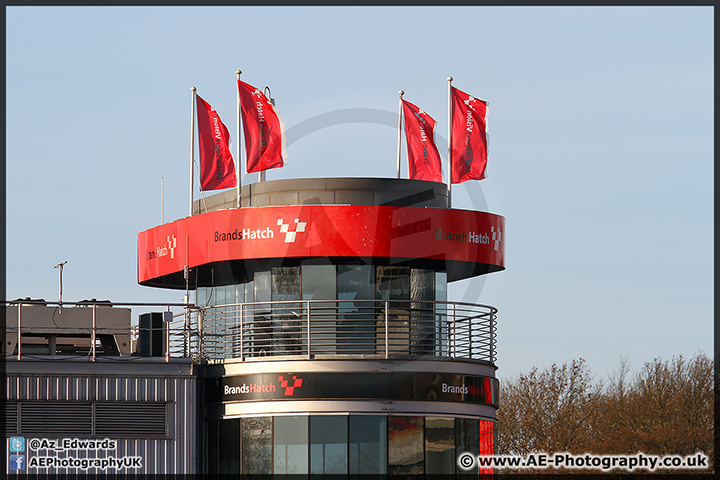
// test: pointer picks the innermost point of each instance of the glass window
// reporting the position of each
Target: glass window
(262, 287)
(356, 317)
(287, 328)
(319, 282)
(285, 283)
(440, 286)
(423, 328)
(393, 283)
(261, 332)
(441, 312)
(467, 440)
(249, 291)
(440, 445)
(229, 446)
(405, 446)
(328, 444)
(487, 443)
(257, 445)
(240, 293)
(368, 444)
(201, 296)
(290, 445)
(212, 446)
(487, 438)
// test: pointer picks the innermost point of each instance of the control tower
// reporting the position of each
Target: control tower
(323, 329)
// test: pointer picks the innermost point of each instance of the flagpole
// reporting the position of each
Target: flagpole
(400, 94)
(449, 80)
(192, 146)
(238, 168)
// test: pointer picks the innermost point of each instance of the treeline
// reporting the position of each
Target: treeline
(666, 408)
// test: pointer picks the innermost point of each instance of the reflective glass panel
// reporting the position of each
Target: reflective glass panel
(212, 446)
(443, 333)
(357, 316)
(368, 444)
(423, 329)
(439, 445)
(328, 444)
(393, 283)
(290, 445)
(319, 283)
(285, 283)
(201, 296)
(287, 320)
(467, 440)
(229, 446)
(261, 333)
(262, 287)
(257, 445)
(405, 446)
(487, 442)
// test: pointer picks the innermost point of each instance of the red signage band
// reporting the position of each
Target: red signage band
(331, 231)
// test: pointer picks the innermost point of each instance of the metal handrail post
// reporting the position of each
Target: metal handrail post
(201, 336)
(453, 344)
(309, 342)
(242, 318)
(19, 334)
(186, 332)
(166, 326)
(93, 333)
(387, 329)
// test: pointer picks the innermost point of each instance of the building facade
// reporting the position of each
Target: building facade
(321, 324)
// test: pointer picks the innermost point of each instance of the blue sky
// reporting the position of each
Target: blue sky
(601, 148)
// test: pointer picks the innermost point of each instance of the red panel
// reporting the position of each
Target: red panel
(321, 231)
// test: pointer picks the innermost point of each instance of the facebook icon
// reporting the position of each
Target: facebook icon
(17, 462)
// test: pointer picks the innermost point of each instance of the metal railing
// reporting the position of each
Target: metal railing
(318, 328)
(297, 329)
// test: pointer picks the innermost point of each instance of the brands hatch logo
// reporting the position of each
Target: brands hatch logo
(172, 245)
(496, 237)
(163, 250)
(297, 383)
(267, 388)
(266, 233)
(285, 228)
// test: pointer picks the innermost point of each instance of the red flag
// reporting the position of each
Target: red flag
(217, 169)
(265, 144)
(468, 152)
(423, 157)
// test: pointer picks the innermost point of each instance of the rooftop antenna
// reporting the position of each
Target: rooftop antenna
(60, 266)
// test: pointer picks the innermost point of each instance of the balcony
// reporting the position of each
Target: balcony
(310, 329)
(335, 328)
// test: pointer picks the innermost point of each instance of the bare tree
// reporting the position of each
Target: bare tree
(666, 408)
(548, 411)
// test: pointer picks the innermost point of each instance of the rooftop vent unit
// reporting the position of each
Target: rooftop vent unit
(46, 331)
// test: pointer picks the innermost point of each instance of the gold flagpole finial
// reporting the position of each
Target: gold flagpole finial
(449, 79)
(401, 93)
(238, 72)
(192, 89)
